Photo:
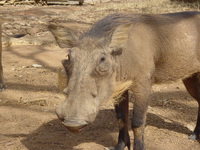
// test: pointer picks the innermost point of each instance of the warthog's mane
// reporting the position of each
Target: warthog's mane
(119, 89)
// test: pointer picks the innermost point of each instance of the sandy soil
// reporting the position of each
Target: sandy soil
(27, 118)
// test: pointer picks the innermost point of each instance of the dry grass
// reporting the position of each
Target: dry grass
(137, 6)
(150, 6)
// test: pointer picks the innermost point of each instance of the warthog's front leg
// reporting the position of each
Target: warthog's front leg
(122, 115)
(142, 93)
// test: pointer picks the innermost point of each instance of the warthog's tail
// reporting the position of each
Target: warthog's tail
(120, 87)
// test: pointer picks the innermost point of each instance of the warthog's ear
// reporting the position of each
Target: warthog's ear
(119, 38)
(65, 37)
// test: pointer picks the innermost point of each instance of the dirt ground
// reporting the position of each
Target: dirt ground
(27, 118)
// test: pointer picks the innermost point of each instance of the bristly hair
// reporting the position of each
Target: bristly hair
(120, 87)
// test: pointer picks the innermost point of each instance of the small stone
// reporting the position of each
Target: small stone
(108, 148)
(36, 66)
(50, 124)
(25, 67)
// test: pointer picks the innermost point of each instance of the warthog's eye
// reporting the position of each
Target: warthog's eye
(102, 59)
(103, 66)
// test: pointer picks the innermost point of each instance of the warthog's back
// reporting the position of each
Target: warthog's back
(109, 23)
(171, 41)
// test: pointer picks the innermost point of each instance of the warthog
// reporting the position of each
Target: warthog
(2, 85)
(141, 48)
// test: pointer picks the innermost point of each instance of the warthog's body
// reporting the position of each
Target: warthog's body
(145, 49)
(2, 85)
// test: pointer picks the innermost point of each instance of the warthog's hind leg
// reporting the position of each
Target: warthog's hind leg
(122, 115)
(192, 85)
(2, 84)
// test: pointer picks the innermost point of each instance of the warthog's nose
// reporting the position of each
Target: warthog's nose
(75, 125)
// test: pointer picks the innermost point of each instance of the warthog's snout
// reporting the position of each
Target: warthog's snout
(74, 125)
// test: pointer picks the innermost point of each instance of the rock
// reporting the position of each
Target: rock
(17, 26)
(32, 31)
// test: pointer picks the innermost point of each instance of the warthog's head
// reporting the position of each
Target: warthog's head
(91, 73)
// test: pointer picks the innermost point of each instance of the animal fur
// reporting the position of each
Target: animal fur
(120, 87)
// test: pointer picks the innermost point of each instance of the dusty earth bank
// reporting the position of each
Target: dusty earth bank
(27, 118)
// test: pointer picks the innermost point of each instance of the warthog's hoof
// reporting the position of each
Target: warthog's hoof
(193, 136)
(2, 87)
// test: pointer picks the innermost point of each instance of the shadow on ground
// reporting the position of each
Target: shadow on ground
(57, 137)
(53, 135)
